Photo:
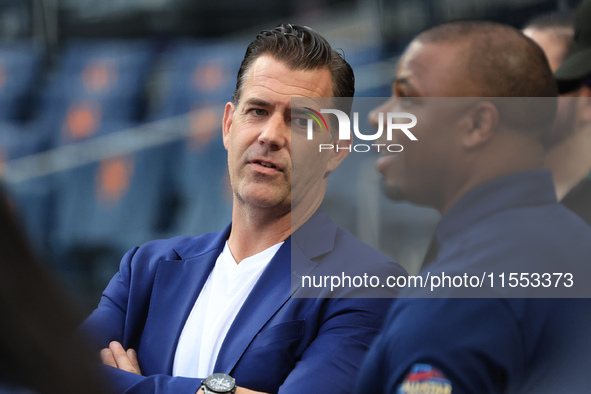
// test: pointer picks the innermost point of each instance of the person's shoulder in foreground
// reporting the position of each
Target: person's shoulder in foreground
(38, 322)
(479, 162)
(168, 319)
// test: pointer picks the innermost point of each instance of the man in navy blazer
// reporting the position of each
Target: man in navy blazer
(284, 337)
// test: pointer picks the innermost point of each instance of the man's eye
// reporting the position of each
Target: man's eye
(259, 112)
(401, 93)
(300, 122)
(405, 101)
(407, 98)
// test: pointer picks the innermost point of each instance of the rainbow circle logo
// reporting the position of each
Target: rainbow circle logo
(317, 117)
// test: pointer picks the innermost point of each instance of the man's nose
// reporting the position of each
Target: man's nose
(275, 132)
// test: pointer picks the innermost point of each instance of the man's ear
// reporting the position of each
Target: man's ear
(227, 122)
(344, 147)
(479, 124)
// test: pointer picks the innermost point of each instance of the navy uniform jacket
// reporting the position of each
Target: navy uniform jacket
(496, 344)
(277, 343)
(578, 199)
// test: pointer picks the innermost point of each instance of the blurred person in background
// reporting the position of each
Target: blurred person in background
(219, 311)
(482, 167)
(40, 351)
(554, 33)
(570, 158)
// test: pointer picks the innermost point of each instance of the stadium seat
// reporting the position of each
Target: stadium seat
(107, 207)
(31, 198)
(19, 71)
(198, 79)
(197, 74)
(16, 141)
(201, 182)
(68, 121)
(94, 82)
(103, 68)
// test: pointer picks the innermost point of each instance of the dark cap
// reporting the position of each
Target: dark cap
(578, 63)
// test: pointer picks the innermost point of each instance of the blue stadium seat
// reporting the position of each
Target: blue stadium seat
(107, 207)
(200, 76)
(357, 54)
(67, 121)
(197, 74)
(202, 184)
(109, 68)
(33, 202)
(17, 141)
(19, 68)
(94, 82)
(30, 198)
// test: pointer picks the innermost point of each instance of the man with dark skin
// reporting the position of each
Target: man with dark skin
(480, 163)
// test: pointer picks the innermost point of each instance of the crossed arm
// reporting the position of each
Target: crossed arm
(116, 356)
(329, 363)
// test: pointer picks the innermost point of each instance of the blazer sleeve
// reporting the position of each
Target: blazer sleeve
(331, 363)
(123, 308)
(107, 321)
(130, 383)
(482, 358)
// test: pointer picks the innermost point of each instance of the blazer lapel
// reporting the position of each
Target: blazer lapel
(176, 287)
(268, 295)
(278, 282)
(315, 238)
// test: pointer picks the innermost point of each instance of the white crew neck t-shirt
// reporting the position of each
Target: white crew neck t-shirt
(222, 296)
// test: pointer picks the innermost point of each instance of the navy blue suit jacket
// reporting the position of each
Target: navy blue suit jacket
(277, 343)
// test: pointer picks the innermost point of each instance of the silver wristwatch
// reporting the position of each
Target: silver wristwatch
(219, 383)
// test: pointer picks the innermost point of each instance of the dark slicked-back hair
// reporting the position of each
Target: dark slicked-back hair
(300, 48)
(499, 58)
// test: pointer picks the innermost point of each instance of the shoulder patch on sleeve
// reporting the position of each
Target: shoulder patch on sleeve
(424, 379)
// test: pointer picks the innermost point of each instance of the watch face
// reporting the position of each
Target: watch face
(220, 382)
